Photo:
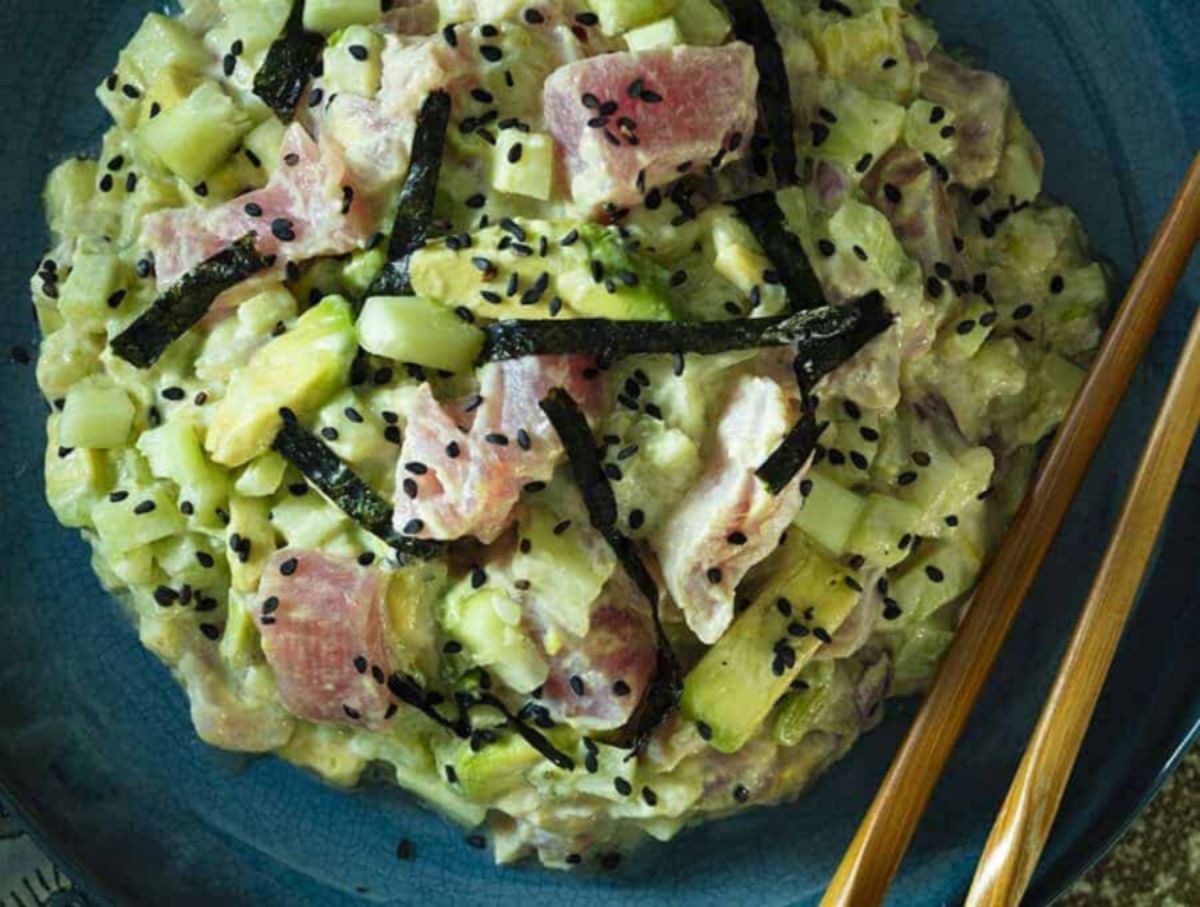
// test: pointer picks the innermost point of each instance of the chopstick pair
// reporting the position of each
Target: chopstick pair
(1024, 823)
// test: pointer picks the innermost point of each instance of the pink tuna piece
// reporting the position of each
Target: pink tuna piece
(323, 631)
(309, 208)
(692, 104)
(729, 521)
(598, 681)
(452, 483)
(913, 197)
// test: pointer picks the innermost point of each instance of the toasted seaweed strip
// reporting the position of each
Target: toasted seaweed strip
(415, 211)
(289, 65)
(531, 736)
(666, 686)
(326, 470)
(752, 25)
(763, 216)
(778, 470)
(814, 361)
(187, 301)
(816, 334)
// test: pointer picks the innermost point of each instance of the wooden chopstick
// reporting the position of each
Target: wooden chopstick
(1024, 821)
(873, 856)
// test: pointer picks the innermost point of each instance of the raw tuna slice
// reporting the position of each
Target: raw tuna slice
(309, 208)
(322, 624)
(453, 481)
(597, 681)
(980, 101)
(913, 197)
(729, 522)
(617, 115)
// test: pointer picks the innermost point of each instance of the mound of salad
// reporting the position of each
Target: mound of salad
(588, 413)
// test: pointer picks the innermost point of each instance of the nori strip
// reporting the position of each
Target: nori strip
(666, 686)
(766, 221)
(326, 470)
(816, 333)
(531, 736)
(778, 470)
(289, 65)
(752, 25)
(414, 213)
(188, 300)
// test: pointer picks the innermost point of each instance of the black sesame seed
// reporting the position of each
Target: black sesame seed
(283, 229)
(577, 686)
(935, 574)
(491, 53)
(741, 794)
(144, 507)
(906, 478)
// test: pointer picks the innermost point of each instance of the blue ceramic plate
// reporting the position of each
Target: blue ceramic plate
(95, 742)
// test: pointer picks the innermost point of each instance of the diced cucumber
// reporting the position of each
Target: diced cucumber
(948, 482)
(298, 370)
(559, 561)
(352, 62)
(994, 375)
(170, 88)
(264, 142)
(884, 522)
(495, 768)
(121, 93)
(917, 654)
(864, 125)
(618, 16)
(262, 476)
(668, 460)
(133, 568)
(661, 34)
(857, 226)
(240, 644)
(251, 540)
(194, 558)
(307, 521)
(940, 573)
(412, 329)
(830, 513)
(194, 137)
(96, 415)
(153, 193)
(964, 334)
(736, 684)
(162, 42)
(488, 624)
(84, 296)
(356, 434)
(853, 50)
(261, 312)
(66, 357)
(327, 16)
(361, 270)
(327, 750)
(147, 515)
(1019, 177)
(1054, 382)
(69, 188)
(929, 128)
(799, 710)
(255, 23)
(75, 478)
(173, 451)
(702, 22)
(523, 163)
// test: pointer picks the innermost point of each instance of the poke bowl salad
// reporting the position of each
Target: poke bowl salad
(582, 415)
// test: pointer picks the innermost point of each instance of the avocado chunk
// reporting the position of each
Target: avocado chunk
(736, 684)
(298, 370)
(488, 771)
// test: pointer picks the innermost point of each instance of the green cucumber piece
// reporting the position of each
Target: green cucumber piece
(412, 329)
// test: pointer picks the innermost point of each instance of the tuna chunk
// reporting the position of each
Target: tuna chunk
(912, 196)
(980, 101)
(323, 630)
(729, 521)
(618, 115)
(596, 682)
(453, 482)
(309, 208)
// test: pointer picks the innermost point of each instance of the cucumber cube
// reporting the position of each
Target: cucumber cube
(163, 42)
(362, 269)
(327, 16)
(69, 188)
(865, 125)
(736, 254)
(485, 773)
(702, 22)
(412, 329)
(121, 93)
(941, 573)
(264, 142)
(173, 451)
(656, 35)
(523, 163)
(96, 415)
(487, 623)
(262, 476)
(147, 515)
(963, 335)
(352, 62)
(172, 87)
(74, 481)
(617, 16)
(928, 128)
(84, 296)
(256, 23)
(883, 523)
(255, 542)
(308, 521)
(194, 137)
(830, 513)
(865, 227)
